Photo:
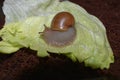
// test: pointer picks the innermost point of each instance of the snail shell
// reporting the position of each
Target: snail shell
(62, 21)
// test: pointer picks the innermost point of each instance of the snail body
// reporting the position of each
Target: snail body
(62, 31)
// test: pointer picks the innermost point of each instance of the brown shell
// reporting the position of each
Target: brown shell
(62, 21)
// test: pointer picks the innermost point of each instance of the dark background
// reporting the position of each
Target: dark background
(25, 65)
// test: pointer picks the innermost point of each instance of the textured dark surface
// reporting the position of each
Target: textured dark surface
(25, 65)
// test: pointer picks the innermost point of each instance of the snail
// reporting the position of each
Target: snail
(62, 31)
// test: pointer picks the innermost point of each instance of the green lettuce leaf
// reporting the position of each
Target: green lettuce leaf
(91, 45)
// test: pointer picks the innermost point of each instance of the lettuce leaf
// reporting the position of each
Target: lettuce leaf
(23, 24)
